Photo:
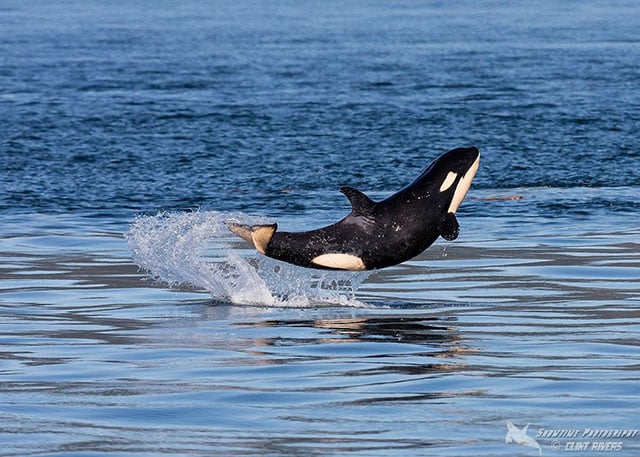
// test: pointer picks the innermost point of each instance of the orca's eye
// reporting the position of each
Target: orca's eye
(448, 181)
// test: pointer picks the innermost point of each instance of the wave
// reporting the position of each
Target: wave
(196, 249)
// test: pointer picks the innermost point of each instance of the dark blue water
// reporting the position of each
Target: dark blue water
(111, 112)
(150, 106)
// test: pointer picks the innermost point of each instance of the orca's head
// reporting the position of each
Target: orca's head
(449, 177)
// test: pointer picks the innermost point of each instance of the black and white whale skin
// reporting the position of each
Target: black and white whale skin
(378, 234)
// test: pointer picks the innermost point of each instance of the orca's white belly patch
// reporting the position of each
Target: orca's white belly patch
(339, 261)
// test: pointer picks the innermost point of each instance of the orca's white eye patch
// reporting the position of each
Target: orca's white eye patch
(448, 181)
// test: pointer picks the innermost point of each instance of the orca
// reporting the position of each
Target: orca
(378, 234)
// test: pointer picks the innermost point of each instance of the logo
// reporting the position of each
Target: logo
(573, 440)
(519, 436)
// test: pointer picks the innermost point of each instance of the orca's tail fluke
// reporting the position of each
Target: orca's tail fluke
(258, 235)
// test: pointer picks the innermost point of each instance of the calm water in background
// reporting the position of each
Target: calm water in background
(113, 112)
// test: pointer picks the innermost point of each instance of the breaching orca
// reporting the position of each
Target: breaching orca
(378, 234)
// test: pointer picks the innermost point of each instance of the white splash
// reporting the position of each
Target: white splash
(197, 249)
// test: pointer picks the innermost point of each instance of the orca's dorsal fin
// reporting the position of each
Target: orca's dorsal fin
(449, 228)
(361, 205)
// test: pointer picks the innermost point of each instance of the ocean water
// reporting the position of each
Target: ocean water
(133, 324)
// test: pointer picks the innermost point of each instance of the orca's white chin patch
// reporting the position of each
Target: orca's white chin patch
(339, 261)
(463, 186)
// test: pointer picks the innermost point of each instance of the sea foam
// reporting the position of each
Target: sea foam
(197, 250)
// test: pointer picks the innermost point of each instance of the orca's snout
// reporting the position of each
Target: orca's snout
(460, 159)
(458, 153)
(471, 153)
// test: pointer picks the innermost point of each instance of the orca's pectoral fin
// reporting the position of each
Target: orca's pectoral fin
(449, 228)
(258, 235)
(361, 205)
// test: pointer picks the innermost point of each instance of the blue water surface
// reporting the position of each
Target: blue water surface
(129, 130)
